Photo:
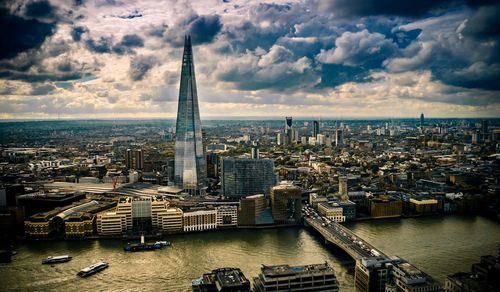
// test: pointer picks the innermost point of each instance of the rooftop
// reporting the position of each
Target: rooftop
(282, 270)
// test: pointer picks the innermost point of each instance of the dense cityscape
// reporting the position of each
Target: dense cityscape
(285, 199)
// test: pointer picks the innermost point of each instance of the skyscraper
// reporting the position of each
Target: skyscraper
(422, 120)
(189, 158)
(315, 129)
(134, 159)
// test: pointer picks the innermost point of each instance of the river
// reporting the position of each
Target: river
(437, 245)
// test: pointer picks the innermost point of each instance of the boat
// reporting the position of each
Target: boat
(56, 259)
(90, 270)
(142, 246)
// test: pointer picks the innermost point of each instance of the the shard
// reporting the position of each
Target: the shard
(189, 157)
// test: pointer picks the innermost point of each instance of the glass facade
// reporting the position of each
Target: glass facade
(189, 157)
(244, 177)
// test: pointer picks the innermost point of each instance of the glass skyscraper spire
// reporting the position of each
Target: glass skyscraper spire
(189, 157)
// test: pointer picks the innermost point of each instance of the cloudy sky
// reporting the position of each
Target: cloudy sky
(330, 59)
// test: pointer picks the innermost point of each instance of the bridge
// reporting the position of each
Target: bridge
(342, 237)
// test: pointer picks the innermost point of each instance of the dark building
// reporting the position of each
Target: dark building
(286, 204)
(189, 156)
(222, 280)
(422, 120)
(244, 177)
(281, 278)
(43, 202)
(253, 211)
(134, 159)
(212, 162)
(315, 129)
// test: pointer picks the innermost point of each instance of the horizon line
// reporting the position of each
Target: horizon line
(243, 118)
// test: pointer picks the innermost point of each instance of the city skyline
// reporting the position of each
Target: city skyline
(119, 59)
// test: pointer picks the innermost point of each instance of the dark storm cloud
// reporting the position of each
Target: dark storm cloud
(335, 74)
(140, 66)
(127, 43)
(202, 28)
(42, 89)
(41, 8)
(18, 34)
(350, 8)
(39, 77)
(105, 44)
(484, 23)
(100, 46)
(77, 31)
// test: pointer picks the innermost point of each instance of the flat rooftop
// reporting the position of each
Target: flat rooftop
(283, 270)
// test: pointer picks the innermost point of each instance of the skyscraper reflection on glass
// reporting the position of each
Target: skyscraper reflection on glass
(189, 158)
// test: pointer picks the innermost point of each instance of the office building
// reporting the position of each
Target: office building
(213, 163)
(134, 159)
(254, 210)
(189, 156)
(222, 280)
(243, 177)
(407, 278)
(315, 129)
(339, 138)
(44, 202)
(423, 206)
(281, 278)
(372, 274)
(165, 218)
(384, 207)
(422, 121)
(485, 276)
(199, 219)
(332, 211)
(227, 216)
(315, 199)
(140, 215)
(286, 201)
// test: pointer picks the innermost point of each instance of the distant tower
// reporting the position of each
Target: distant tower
(190, 172)
(315, 129)
(484, 130)
(255, 150)
(342, 185)
(289, 136)
(339, 138)
(421, 119)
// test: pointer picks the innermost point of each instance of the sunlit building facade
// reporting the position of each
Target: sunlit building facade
(189, 170)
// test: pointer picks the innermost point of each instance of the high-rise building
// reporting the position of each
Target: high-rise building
(286, 203)
(422, 120)
(243, 177)
(315, 129)
(189, 158)
(255, 150)
(134, 159)
(339, 138)
(288, 124)
(289, 132)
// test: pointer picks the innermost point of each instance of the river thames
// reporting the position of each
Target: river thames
(437, 245)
